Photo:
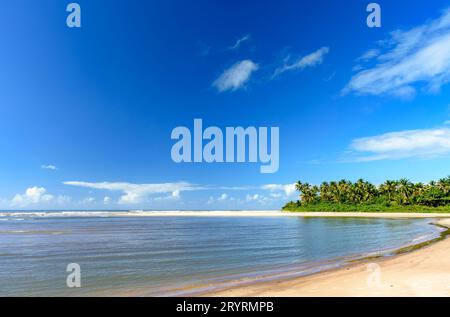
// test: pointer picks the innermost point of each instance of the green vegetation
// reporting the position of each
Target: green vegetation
(362, 196)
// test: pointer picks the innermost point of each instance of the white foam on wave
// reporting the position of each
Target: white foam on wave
(423, 238)
(132, 213)
(52, 214)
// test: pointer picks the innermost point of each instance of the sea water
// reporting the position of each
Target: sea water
(181, 255)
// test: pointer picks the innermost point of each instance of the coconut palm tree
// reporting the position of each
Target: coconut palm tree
(389, 189)
(444, 185)
(405, 190)
(418, 191)
(334, 192)
(370, 192)
(344, 189)
(308, 193)
(325, 192)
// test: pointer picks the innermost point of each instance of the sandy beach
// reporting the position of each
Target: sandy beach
(424, 272)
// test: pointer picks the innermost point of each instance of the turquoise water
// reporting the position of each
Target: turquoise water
(166, 255)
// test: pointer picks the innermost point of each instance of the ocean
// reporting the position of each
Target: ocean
(182, 255)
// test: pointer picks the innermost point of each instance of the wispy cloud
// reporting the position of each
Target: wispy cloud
(408, 60)
(205, 49)
(310, 60)
(426, 143)
(239, 42)
(137, 193)
(368, 55)
(49, 167)
(236, 76)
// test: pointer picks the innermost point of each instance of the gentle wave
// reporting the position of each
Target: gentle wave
(423, 238)
(4, 216)
(55, 214)
(178, 255)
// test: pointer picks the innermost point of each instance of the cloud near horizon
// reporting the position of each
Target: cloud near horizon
(261, 196)
(137, 193)
(141, 195)
(236, 76)
(37, 196)
(425, 143)
(288, 189)
(418, 58)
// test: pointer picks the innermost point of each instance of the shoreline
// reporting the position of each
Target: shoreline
(271, 213)
(404, 267)
(417, 270)
(220, 213)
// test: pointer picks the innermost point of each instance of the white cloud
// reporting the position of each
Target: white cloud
(49, 167)
(239, 42)
(313, 59)
(132, 194)
(37, 196)
(254, 197)
(261, 199)
(88, 200)
(403, 144)
(372, 53)
(32, 195)
(412, 59)
(236, 76)
(288, 189)
(210, 200)
(137, 193)
(223, 197)
(263, 194)
(175, 195)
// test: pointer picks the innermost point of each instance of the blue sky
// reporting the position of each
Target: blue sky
(86, 114)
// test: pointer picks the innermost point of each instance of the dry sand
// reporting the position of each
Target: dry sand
(424, 272)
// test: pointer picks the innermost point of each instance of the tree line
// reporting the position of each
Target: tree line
(391, 193)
